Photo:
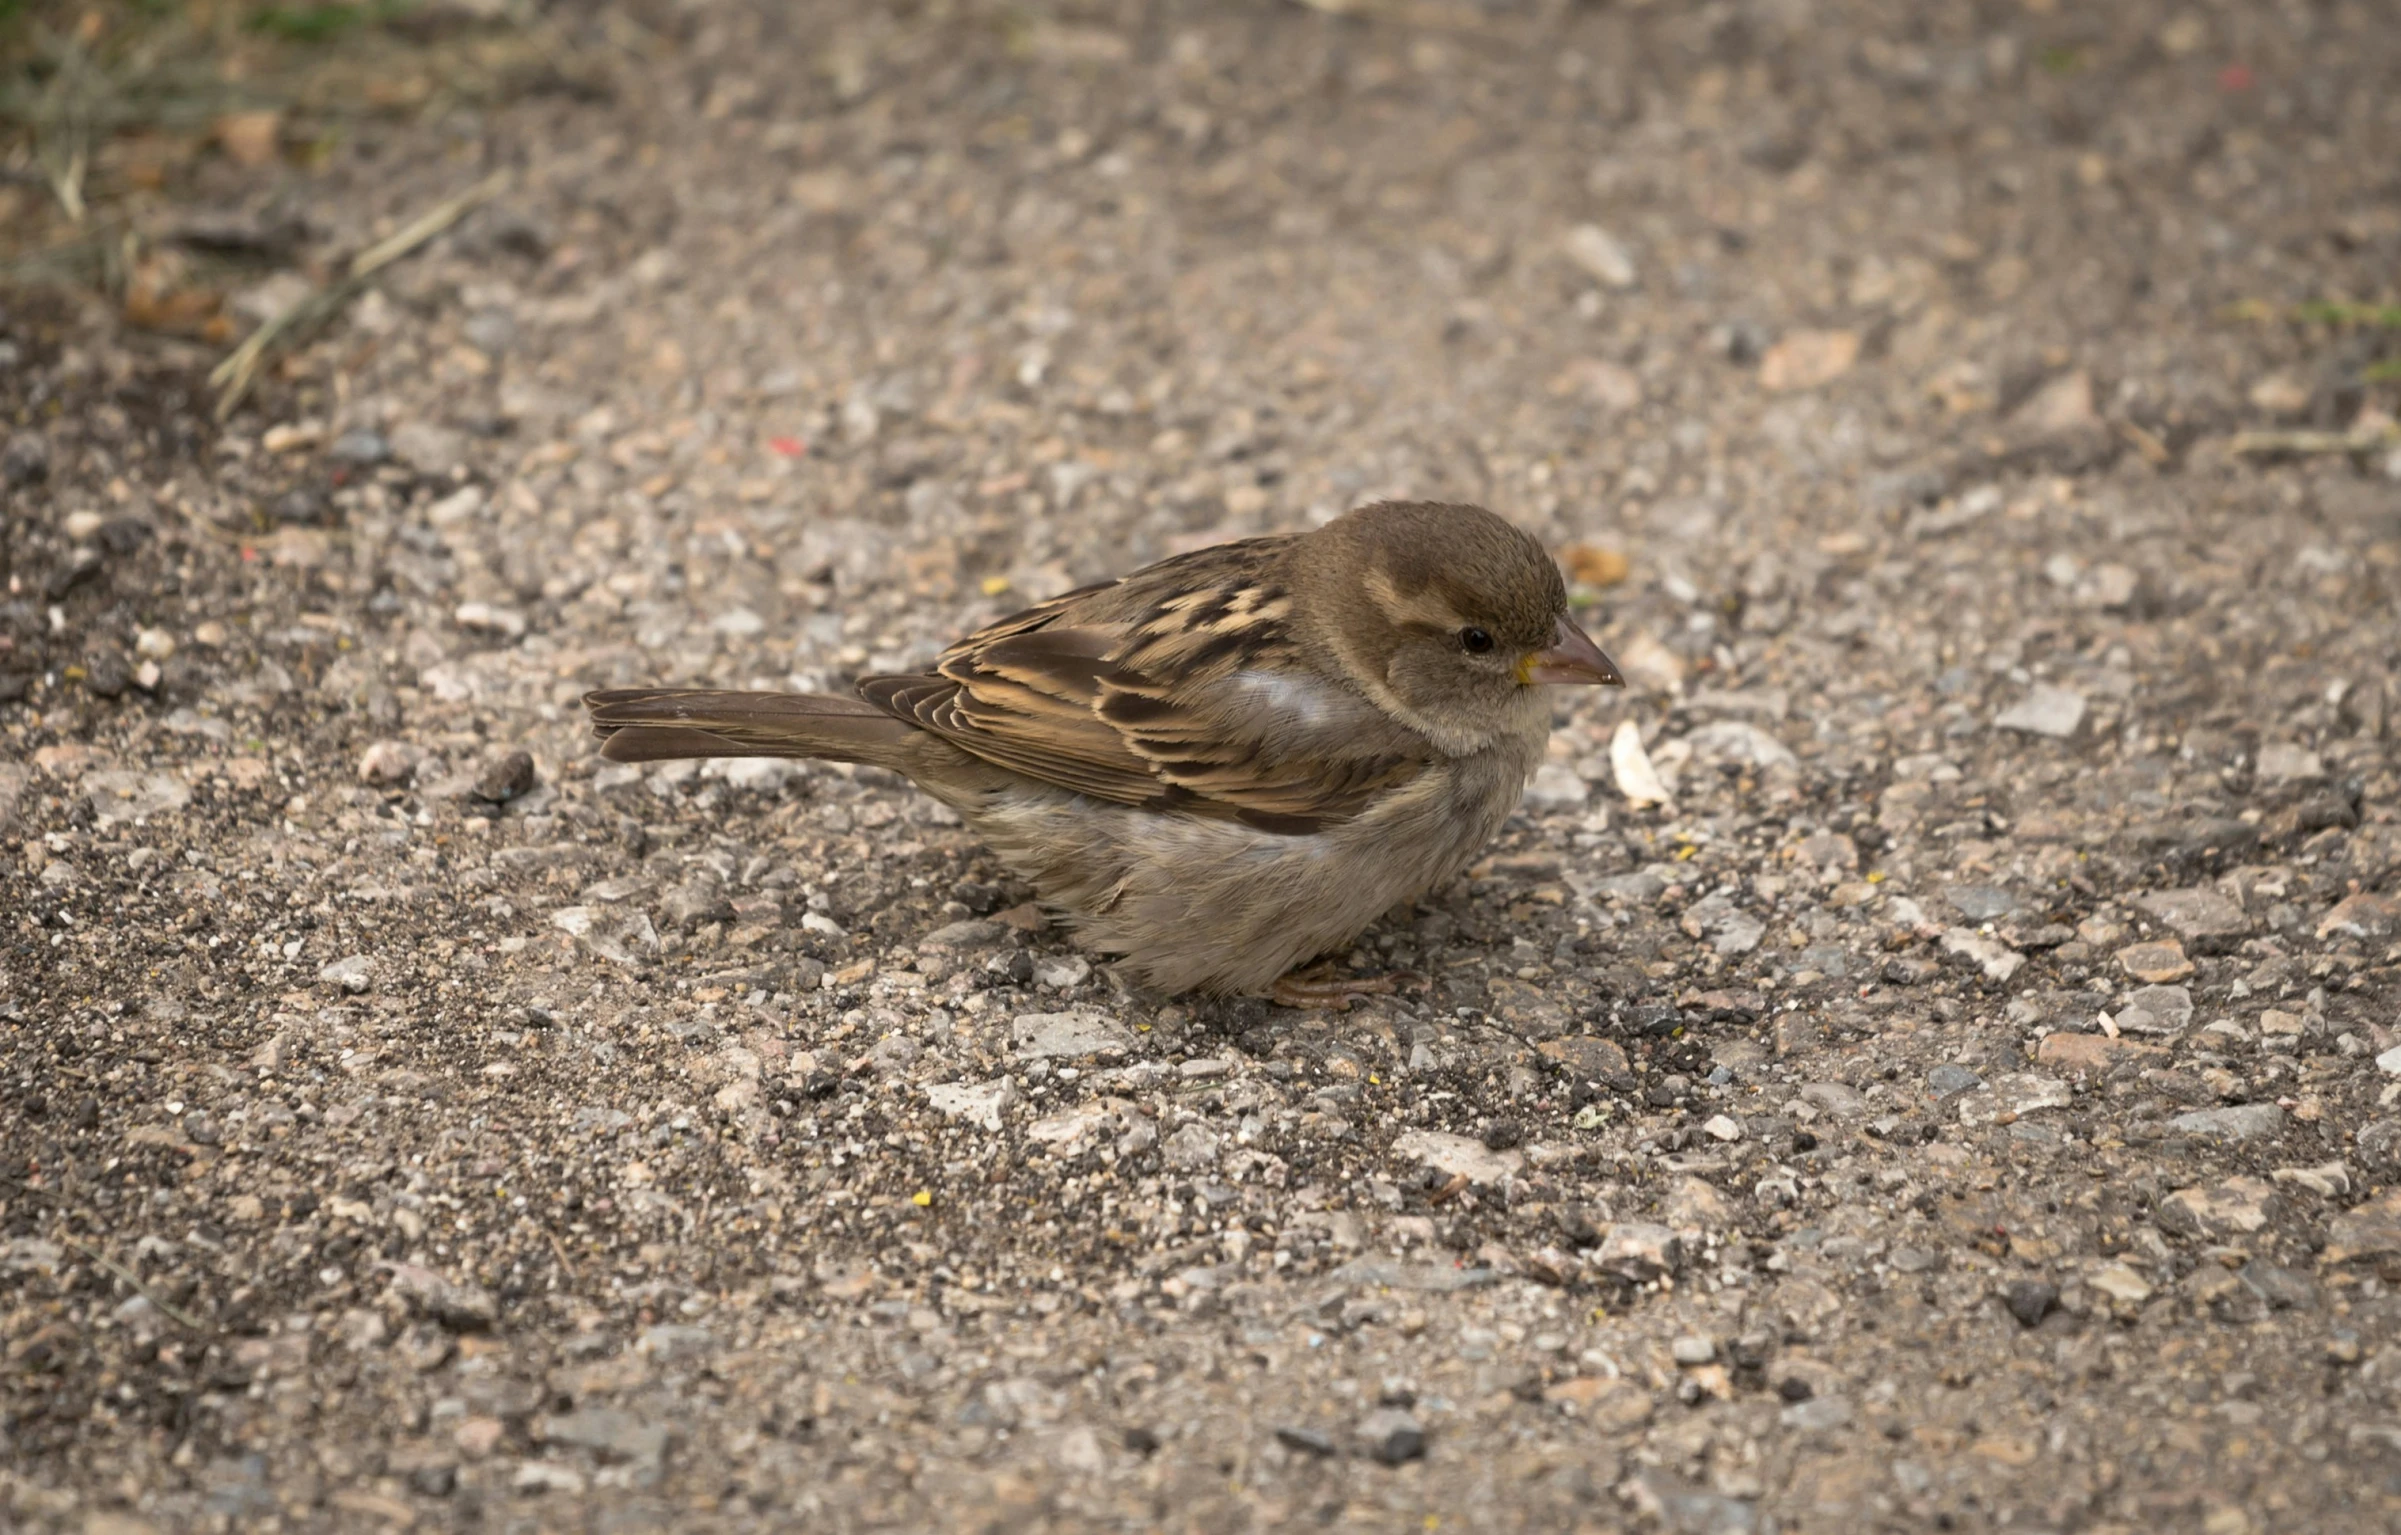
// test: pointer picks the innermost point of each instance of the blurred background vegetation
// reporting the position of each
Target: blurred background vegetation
(131, 130)
(136, 137)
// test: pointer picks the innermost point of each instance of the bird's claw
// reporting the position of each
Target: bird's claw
(1303, 989)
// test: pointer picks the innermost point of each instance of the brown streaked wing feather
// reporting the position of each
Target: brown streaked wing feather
(1025, 718)
(1191, 744)
(1119, 692)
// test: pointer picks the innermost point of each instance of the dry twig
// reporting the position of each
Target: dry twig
(239, 370)
(166, 1309)
(2308, 444)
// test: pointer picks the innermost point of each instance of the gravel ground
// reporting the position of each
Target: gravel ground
(1967, 1101)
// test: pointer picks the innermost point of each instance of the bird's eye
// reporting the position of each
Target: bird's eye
(1474, 641)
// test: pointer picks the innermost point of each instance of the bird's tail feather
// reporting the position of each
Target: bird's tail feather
(654, 724)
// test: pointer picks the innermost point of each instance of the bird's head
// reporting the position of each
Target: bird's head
(1446, 615)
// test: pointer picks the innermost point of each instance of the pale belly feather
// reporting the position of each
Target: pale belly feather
(1203, 904)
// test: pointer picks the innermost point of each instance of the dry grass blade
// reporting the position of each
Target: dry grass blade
(239, 370)
(91, 255)
(62, 120)
(1422, 15)
(166, 1308)
(2307, 444)
(559, 1249)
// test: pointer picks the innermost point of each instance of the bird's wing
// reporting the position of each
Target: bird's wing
(1179, 688)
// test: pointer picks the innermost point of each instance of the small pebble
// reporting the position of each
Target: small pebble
(25, 461)
(354, 973)
(362, 448)
(508, 777)
(1308, 1441)
(1392, 1436)
(304, 508)
(389, 764)
(2030, 1300)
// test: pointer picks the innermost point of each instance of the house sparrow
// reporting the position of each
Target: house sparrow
(1225, 764)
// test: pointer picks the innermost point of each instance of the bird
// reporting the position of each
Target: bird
(1227, 764)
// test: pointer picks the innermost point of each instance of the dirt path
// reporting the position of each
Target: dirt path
(1969, 1103)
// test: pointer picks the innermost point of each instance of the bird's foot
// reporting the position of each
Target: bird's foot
(1323, 986)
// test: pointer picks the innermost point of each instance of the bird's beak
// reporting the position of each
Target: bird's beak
(1572, 657)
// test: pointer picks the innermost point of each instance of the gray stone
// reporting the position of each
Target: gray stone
(1391, 1436)
(618, 934)
(1556, 788)
(2207, 921)
(760, 775)
(697, 900)
(2241, 1122)
(388, 764)
(1730, 930)
(1820, 1414)
(1062, 972)
(1192, 1148)
(1602, 256)
(362, 448)
(1736, 933)
(979, 1103)
(234, 1488)
(676, 1340)
(490, 331)
(1741, 743)
(2369, 1233)
(1949, 1079)
(1996, 959)
(2156, 1010)
(612, 1433)
(1836, 1098)
(304, 507)
(2282, 762)
(2046, 711)
(1458, 1155)
(1638, 889)
(894, 1054)
(1431, 1278)
(461, 1307)
(2365, 916)
(430, 450)
(2379, 1145)
(2030, 1300)
(1309, 1441)
(1826, 959)
(119, 797)
(974, 933)
(2012, 1098)
(1981, 903)
(1081, 1032)
(354, 973)
(2281, 1288)
(1641, 1252)
(1683, 1509)
(508, 777)
(25, 461)
(491, 618)
(2330, 1180)
(2220, 1212)
(536, 1476)
(2121, 1284)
